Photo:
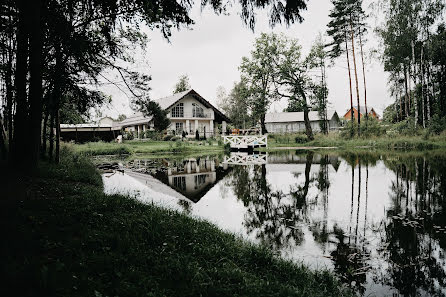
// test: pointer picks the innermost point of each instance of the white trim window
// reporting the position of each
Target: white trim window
(178, 111)
(179, 128)
(197, 111)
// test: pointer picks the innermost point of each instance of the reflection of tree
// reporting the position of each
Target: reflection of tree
(349, 261)
(350, 257)
(273, 216)
(412, 244)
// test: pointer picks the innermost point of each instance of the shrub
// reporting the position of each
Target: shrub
(154, 135)
(372, 127)
(128, 135)
(300, 138)
(437, 125)
(197, 135)
(168, 137)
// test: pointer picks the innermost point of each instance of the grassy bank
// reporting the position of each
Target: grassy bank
(388, 142)
(62, 236)
(146, 147)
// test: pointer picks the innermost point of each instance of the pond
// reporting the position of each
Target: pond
(378, 221)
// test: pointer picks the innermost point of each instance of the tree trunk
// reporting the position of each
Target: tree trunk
(2, 140)
(406, 98)
(51, 148)
(21, 116)
(44, 135)
(356, 78)
(352, 115)
(308, 129)
(35, 85)
(9, 97)
(262, 124)
(414, 75)
(57, 155)
(428, 103)
(422, 88)
(365, 85)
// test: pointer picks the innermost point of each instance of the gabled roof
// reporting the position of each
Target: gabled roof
(136, 119)
(168, 102)
(362, 110)
(284, 117)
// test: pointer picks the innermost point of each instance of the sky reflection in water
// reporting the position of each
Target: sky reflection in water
(378, 221)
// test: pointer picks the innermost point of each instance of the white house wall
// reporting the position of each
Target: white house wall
(295, 127)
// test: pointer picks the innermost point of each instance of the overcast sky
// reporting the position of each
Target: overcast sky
(210, 53)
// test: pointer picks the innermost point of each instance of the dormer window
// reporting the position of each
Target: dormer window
(197, 111)
(178, 111)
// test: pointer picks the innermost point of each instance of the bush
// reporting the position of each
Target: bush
(406, 127)
(168, 137)
(372, 128)
(437, 125)
(300, 138)
(128, 135)
(154, 135)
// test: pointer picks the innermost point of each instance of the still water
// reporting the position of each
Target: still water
(378, 221)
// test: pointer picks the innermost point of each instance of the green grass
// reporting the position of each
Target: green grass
(145, 147)
(62, 236)
(389, 142)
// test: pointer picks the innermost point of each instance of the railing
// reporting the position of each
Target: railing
(193, 115)
(245, 159)
(245, 141)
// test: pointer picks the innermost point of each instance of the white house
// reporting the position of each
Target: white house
(289, 122)
(187, 111)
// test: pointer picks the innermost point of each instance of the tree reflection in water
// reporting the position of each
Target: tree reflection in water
(404, 250)
(274, 216)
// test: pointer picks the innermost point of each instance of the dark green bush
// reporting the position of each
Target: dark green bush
(168, 137)
(437, 125)
(300, 138)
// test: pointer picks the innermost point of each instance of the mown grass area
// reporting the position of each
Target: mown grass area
(62, 236)
(146, 147)
(392, 142)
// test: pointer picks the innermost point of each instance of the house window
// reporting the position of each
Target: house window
(179, 182)
(178, 128)
(197, 111)
(178, 111)
(199, 180)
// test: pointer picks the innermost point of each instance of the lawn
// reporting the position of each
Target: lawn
(146, 147)
(62, 236)
(389, 142)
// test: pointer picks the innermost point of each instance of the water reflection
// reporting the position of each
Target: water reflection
(191, 177)
(378, 221)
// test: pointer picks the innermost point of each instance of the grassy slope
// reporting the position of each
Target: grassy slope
(145, 147)
(63, 237)
(382, 142)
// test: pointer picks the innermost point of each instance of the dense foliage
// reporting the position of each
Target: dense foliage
(54, 52)
(413, 35)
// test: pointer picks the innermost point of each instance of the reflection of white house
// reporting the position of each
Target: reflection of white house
(288, 122)
(187, 111)
(192, 177)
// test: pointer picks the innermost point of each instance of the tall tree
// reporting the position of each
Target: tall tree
(182, 85)
(258, 73)
(338, 29)
(291, 76)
